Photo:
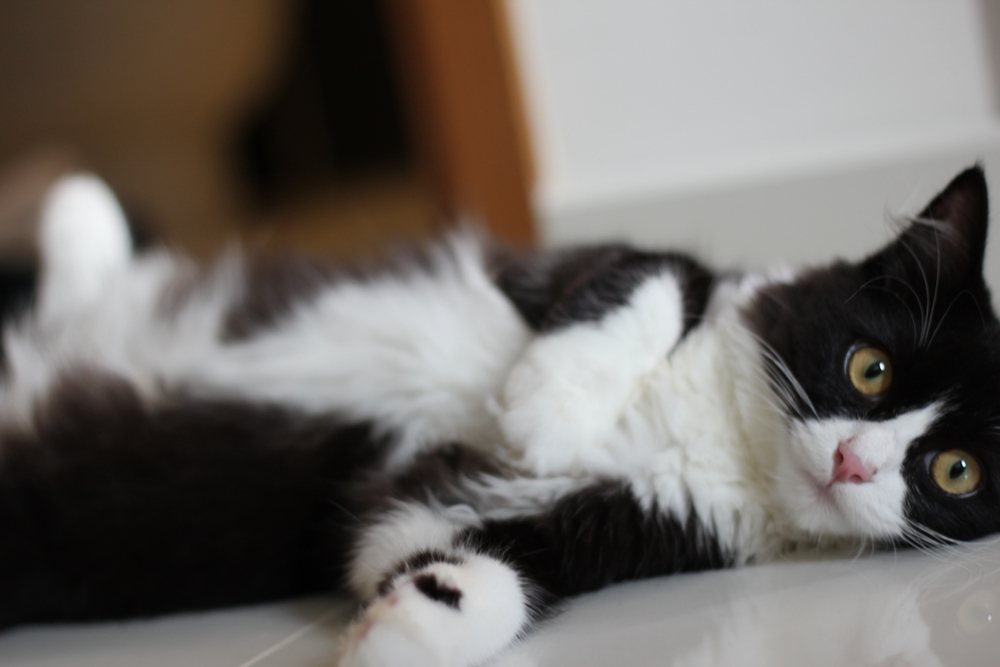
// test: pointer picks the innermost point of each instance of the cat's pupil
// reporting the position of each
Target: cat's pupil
(957, 470)
(874, 370)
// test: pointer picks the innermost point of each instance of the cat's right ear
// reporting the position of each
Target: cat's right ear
(948, 238)
(83, 241)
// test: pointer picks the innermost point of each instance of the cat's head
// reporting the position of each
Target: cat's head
(889, 372)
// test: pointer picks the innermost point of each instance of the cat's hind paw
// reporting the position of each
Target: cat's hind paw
(444, 615)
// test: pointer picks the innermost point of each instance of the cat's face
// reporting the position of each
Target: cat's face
(889, 372)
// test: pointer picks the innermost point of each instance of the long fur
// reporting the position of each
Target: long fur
(470, 435)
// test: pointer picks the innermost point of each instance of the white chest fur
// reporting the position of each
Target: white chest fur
(691, 425)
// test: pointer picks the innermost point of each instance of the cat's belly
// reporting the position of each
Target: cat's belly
(419, 355)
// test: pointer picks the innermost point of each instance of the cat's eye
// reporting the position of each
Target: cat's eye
(956, 472)
(870, 371)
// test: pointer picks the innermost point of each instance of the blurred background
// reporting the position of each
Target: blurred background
(745, 132)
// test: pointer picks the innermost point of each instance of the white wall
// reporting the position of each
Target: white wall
(752, 132)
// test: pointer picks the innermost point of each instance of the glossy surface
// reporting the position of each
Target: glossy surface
(908, 608)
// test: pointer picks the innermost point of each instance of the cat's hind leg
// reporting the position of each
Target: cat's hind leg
(84, 241)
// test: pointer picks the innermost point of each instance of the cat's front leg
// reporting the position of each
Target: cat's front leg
(433, 601)
(565, 394)
(453, 611)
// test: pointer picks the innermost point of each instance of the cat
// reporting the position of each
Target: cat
(466, 436)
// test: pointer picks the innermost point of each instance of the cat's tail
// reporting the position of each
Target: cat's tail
(84, 242)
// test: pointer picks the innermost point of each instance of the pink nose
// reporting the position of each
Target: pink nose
(847, 467)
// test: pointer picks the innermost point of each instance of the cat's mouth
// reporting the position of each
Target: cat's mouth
(823, 491)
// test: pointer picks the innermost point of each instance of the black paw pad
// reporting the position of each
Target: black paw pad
(432, 588)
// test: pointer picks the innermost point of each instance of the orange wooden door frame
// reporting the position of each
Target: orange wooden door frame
(464, 102)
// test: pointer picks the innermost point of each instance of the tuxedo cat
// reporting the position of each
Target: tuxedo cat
(468, 435)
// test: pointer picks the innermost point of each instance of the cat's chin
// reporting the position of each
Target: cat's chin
(820, 504)
(866, 511)
(872, 510)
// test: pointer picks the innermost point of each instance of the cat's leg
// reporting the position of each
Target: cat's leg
(84, 240)
(434, 601)
(450, 586)
(566, 392)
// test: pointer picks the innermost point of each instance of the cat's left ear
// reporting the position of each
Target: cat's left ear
(950, 234)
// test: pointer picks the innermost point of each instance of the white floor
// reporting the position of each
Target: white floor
(909, 609)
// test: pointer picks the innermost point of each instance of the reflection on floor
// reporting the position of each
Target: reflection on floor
(906, 608)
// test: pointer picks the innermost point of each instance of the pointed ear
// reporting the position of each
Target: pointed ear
(950, 234)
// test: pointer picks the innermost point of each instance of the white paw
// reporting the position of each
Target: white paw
(445, 615)
(563, 398)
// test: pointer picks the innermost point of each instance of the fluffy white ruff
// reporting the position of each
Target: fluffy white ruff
(406, 628)
(566, 392)
(701, 433)
(872, 508)
(692, 426)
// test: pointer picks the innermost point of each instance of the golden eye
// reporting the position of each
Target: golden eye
(956, 472)
(870, 371)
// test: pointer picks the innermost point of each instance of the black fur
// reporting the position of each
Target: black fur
(554, 291)
(112, 508)
(415, 563)
(432, 588)
(939, 329)
(115, 510)
(588, 539)
(596, 537)
(274, 287)
(17, 292)
(438, 475)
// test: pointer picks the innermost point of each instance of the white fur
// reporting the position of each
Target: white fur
(408, 629)
(563, 397)
(439, 354)
(423, 354)
(501, 498)
(85, 242)
(699, 431)
(128, 333)
(420, 354)
(805, 471)
(403, 532)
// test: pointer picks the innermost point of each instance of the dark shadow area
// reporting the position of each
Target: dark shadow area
(336, 110)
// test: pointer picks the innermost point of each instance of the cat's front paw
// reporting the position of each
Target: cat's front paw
(558, 403)
(564, 396)
(444, 615)
(379, 639)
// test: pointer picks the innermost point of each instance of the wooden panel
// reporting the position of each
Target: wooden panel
(464, 101)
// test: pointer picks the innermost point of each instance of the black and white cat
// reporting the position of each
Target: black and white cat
(467, 437)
